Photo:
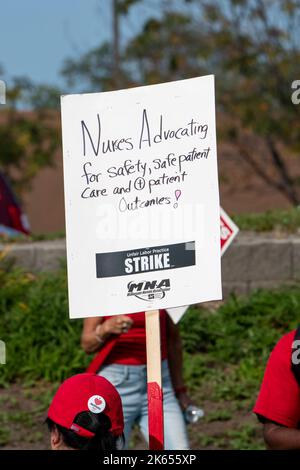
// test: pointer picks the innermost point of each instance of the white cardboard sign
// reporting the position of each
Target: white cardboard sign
(228, 232)
(141, 198)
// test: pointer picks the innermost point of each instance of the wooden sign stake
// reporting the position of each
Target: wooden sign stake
(154, 381)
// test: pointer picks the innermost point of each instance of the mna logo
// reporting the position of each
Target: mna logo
(2, 92)
(149, 290)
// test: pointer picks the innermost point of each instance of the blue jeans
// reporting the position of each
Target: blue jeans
(131, 383)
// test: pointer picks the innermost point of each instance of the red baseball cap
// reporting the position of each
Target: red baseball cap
(86, 392)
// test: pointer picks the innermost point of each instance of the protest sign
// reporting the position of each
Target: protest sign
(228, 232)
(141, 198)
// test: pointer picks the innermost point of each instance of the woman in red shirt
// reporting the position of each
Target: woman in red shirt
(120, 343)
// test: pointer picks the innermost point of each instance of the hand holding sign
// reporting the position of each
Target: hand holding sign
(115, 326)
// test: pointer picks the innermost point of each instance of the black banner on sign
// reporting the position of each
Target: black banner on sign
(143, 260)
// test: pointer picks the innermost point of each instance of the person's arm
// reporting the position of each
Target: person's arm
(175, 360)
(90, 340)
(96, 331)
(281, 438)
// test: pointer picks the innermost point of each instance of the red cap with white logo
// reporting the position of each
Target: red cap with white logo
(86, 392)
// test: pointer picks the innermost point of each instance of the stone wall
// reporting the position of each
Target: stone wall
(265, 261)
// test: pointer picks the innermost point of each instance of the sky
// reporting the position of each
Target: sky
(37, 35)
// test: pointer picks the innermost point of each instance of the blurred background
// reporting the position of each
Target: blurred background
(73, 46)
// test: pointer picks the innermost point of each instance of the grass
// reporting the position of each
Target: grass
(4, 436)
(229, 348)
(219, 415)
(42, 343)
(242, 438)
(35, 237)
(225, 351)
(280, 220)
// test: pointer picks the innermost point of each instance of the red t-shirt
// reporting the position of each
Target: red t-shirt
(130, 347)
(279, 396)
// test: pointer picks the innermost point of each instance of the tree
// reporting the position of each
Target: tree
(166, 49)
(29, 138)
(94, 71)
(119, 7)
(102, 68)
(258, 52)
(253, 48)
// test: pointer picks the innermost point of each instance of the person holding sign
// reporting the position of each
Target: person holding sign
(86, 414)
(120, 343)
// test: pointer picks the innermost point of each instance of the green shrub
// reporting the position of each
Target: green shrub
(281, 220)
(41, 341)
(243, 327)
(227, 348)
